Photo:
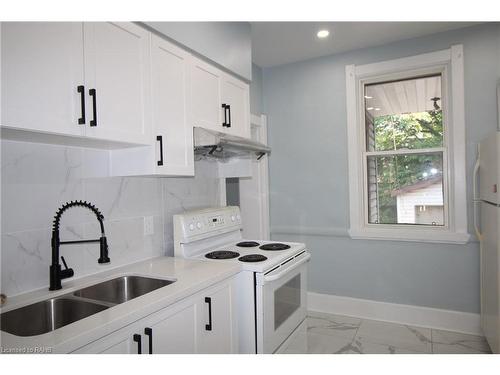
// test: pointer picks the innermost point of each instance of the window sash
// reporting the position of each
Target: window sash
(420, 151)
(442, 71)
(366, 200)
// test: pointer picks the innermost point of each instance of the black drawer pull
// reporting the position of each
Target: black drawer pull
(93, 94)
(229, 110)
(149, 332)
(159, 138)
(208, 327)
(137, 339)
(81, 90)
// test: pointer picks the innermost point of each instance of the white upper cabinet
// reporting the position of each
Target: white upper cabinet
(117, 75)
(236, 102)
(206, 95)
(83, 84)
(220, 101)
(114, 86)
(42, 68)
(170, 152)
(173, 130)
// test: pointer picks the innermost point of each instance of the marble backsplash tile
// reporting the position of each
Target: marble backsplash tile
(37, 179)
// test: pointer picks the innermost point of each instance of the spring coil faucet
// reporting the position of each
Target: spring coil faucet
(56, 274)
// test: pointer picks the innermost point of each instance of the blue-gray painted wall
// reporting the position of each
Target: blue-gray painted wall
(306, 107)
(228, 44)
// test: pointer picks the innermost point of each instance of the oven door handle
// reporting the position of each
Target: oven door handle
(269, 278)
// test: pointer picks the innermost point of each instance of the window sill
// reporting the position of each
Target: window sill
(414, 235)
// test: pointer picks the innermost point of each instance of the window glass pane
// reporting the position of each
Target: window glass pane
(405, 114)
(406, 189)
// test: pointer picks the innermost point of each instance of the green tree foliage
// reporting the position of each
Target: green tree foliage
(399, 132)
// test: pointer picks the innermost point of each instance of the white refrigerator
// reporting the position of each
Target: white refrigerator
(487, 224)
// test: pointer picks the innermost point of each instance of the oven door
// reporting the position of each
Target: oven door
(281, 303)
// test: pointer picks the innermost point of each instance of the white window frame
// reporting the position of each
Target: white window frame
(450, 63)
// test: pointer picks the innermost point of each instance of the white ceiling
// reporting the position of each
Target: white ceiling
(276, 43)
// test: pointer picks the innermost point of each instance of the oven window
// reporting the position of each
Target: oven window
(286, 301)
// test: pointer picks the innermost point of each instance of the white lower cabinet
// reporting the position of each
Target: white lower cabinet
(203, 323)
(216, 322)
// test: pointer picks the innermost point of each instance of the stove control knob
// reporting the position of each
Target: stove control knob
(191, 226)
(198, 225)
(233, 218)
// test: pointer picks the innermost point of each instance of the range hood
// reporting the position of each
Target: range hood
(215, 145)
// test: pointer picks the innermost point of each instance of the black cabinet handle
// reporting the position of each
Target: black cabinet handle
(149, 332)
(229, 110)
(137, 339)
(224, 106)
(92, 93)
(81, 90)
(208, 327)
(159, 138)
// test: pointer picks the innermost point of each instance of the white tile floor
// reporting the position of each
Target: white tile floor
(337, 334)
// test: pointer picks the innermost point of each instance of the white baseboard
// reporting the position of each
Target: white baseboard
(391, 312)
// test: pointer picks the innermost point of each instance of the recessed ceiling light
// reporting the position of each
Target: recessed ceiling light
(323, 34)
(369, 108)
(368, 97)
(377, 109)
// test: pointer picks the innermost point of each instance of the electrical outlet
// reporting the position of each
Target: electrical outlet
(148, 225)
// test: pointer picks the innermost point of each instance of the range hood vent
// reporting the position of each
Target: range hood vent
(210, 144)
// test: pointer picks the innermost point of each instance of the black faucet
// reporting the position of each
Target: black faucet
(56, 273)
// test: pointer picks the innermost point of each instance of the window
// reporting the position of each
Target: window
(404, 151)
(407, 148)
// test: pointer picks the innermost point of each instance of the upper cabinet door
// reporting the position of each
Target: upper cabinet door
(173, 130)
(236, 95)
(206, 96)
(42, 67)
(117, 71)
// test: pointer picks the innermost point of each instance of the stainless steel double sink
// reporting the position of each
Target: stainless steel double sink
(54, 313)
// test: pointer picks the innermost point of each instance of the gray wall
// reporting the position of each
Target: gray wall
(306, 107)
(228, 44)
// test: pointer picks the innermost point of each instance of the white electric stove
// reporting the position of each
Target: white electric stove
(272, 284)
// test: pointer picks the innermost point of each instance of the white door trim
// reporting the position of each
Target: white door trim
(254, 193)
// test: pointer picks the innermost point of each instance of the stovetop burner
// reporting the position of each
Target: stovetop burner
(222, 254)
(274, 246)
(247, 244)
(252, 258)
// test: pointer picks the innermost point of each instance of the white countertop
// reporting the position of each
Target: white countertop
(191, 276)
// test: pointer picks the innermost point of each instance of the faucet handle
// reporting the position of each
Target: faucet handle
(64, 262)
(67, 272)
